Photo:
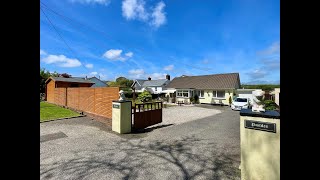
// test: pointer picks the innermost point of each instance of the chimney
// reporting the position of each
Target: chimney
(149, 78)
(168, 77)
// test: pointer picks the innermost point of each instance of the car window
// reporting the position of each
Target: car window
(241, 100)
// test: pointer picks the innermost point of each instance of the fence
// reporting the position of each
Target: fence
(97, 101)
(147, 114)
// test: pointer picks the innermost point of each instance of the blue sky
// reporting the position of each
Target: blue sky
(142, 38)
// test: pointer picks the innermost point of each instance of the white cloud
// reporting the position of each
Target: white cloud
(273, 49)
(101, 2)
(93, 73)
(62, 61)
(129, 54)
(271, 64)
(102, 76)
(89, 65)
(116, 54)
(42, 52)
(134, 9)
(136, 73)
(155, 76)
(113, 54)
(205, 61)
(169, 68)
(158, 16)
(257, 74)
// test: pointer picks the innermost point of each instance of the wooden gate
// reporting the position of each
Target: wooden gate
(146, 114)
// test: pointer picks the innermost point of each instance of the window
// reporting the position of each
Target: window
(241, 100)
(182, 93)
(201, 93)
(155, 88)
(218, 94)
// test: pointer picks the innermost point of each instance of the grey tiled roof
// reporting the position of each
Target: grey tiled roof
(141, 81)
(214, 81)
(158, 82)
(78, 80)
(151, 83)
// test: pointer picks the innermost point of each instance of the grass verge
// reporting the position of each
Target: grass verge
(51, 112)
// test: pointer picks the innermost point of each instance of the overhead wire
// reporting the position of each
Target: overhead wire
(106, 36)
(63, 40)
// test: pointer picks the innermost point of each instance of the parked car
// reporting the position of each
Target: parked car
(240, 103)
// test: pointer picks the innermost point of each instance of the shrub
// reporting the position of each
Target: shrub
(42, 96)
(230, 100)
(128, 94)
(145, 96)
(269, 105)
(192, 99)
(196, 99)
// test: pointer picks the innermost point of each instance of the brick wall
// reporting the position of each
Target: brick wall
(96, 101)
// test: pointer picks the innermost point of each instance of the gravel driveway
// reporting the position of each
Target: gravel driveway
(181, 114)
(203, 148)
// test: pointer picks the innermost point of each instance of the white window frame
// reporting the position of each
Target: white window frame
(183, 91)
(215, 93)
(199, 93)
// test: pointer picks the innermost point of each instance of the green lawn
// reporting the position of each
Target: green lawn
(50, 111)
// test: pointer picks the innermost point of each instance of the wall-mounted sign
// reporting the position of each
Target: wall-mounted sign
(261, 126)
(116, 106)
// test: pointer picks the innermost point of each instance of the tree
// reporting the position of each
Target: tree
(119, 79)
(145, 96)
(121, 82)
(264, 87)
(65, 75)
(113, 84)
(44, 75)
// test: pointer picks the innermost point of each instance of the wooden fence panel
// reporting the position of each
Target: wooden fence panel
(97, 101)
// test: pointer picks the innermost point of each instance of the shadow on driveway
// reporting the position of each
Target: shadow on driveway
(178, 159)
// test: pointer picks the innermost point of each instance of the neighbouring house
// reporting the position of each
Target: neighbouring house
(57, 82)
(211, 89)
(153, 86)
(97, 82)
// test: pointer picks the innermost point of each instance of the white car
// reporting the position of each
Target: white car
(240, 103)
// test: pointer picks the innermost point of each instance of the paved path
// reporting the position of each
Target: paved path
(80, 148)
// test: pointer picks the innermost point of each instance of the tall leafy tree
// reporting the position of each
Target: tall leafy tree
(44, 75)
(65, 75)
(121, 82)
